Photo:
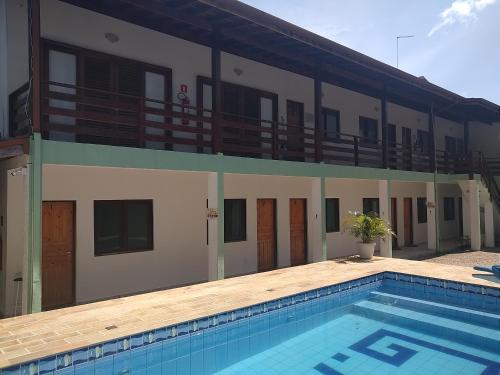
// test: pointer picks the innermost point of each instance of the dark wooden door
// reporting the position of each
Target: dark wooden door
(58, 254)
(266, 234)
(408, 221)
(394, 222)
(298, 231)
(295, 130)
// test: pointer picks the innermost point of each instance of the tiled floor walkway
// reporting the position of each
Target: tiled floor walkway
(28, 337)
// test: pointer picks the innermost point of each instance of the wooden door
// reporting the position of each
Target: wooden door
(266, 234)
(58, 254)
(295, 129)
(394, 222)
(408, 221)
(298, 232)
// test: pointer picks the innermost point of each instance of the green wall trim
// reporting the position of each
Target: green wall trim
(67, 153)
(35, 226)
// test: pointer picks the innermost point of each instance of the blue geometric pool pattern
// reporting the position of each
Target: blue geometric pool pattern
(382, 324)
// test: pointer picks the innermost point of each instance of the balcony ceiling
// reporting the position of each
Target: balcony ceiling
(253, 34)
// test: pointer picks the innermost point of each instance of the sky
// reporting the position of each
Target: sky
(456, 43)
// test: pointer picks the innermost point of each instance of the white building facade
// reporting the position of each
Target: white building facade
(146, 148)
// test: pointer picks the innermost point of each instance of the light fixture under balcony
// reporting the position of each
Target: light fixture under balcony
(112, 37)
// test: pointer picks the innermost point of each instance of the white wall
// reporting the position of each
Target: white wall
(350, 194)
(408, 118)
(286, 84)
(485, 138)
(66, 23)
(69, 24)
(448, 229)
(351, 105)
(179, 209)
(446, 127)
(13, 202)
(401, 190)
(241, 257)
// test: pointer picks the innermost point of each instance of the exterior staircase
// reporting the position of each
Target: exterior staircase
(489, 168)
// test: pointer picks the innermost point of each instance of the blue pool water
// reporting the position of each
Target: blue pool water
(383, 324)
(376, 336)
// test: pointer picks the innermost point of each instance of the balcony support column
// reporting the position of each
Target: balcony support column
(466, 136)
(318, 120)
(215, 217)
(384, 194)
(385, 133)
(34, 61)
(432, 139)
(216, 93)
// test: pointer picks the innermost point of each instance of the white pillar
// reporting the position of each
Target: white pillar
(319, 252)
(432, 222)
(489, 225)
(384, 195)
(474, 215)
(215, 214)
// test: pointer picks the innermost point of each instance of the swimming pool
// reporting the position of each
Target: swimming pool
(385, 323)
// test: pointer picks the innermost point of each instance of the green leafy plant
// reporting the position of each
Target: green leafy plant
(367, 227)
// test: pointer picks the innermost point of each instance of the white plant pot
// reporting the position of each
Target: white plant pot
(366, 250)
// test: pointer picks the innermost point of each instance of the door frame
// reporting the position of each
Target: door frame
(275, 225)
(306, 237)
(73, 302)
(412, 234)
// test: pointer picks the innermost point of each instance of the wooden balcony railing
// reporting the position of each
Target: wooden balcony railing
(87, 115)
(494, 165)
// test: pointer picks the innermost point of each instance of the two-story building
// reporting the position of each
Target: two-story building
(151, 144)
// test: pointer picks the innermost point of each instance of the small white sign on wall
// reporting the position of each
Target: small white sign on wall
(212, 213)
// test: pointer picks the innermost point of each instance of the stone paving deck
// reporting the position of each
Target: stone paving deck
(38, 335)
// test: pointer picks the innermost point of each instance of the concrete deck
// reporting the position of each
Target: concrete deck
(33, 336)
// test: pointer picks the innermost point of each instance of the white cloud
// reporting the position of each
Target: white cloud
(462, 11)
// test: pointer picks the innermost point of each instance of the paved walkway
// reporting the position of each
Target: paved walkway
(33, 336)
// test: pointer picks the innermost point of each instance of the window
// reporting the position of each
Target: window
(123, 226)
(235, 220)
(449, 208)
(332, 215)
(331, 122)
(371, 205)
(422, 210)
(423, 141)
(368, 129)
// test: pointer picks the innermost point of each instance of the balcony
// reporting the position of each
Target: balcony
(80, 114)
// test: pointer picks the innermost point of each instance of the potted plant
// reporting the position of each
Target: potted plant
(366, 227)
